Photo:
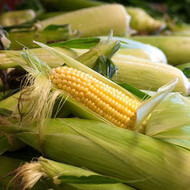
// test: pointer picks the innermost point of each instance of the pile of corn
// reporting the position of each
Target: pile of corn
(81, 110)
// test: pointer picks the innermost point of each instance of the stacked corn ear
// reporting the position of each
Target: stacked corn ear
(176, 48)
(140, 20)
(151, 76)
(17, 17)
(138, 160)
(64, 176)
(94, 21)
(153, 53)
(9, 165)
(144, 23)
(11, 58)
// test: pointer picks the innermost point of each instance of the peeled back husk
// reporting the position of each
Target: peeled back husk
(174, 109)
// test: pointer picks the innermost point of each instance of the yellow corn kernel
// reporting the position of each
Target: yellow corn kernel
(99, 97)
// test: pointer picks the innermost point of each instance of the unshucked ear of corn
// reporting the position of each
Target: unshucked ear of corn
(149, 76)
(11, 58)
(176, 48)
(141, 161)
(64, 176)
(89, 94)
(94, 21)
(153, 53)
(140, 20)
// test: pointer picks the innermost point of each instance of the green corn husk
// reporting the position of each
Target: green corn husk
(178, 113)
(142, 161)
(94, 21)
(176, 48)
(17, 17)
(8, 164)
(144, 23)
(183, 66)
(65, 176)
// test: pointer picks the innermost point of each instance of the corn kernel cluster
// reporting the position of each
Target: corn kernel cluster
(99, 97)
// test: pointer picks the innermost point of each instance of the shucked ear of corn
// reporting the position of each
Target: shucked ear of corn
(94, 21)
(64, 176)
(141, 161)
(176, 48)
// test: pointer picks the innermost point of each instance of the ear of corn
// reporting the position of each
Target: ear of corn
(144, 23)
(140, 20)
(62, 174)
(80, 89)
(147, 76)
(94, 21)
(155, 54)
(176, 48)
(143, 162)
(11, 58)
(17, 17)
(8, 166)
